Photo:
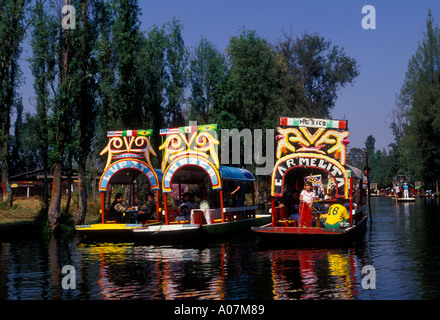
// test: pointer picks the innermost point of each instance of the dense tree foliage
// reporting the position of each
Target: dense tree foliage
(416, 119)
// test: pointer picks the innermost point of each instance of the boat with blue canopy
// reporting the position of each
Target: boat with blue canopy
(190, 157)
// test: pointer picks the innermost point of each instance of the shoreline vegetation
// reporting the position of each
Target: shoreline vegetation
(27, 219)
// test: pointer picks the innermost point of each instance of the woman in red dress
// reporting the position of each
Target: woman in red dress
(305, 209)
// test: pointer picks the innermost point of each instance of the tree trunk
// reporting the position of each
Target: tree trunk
(80, 213)
(69, 185)
(55, 201)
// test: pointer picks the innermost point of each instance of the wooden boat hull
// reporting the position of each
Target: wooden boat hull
(108, 231)
(184, 233)
(172, 233)
(235, 226)
(310, 236)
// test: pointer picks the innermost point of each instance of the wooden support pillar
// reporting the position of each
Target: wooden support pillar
(102, 207)
(351, 200)
(253, 193)
(165, 208)
(157, 205)
(221, 205)
(274, 215)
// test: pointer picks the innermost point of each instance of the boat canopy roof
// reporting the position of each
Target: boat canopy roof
(192, 174)
(357, 173)
(233, 173)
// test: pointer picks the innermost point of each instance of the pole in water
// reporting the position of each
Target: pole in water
(368, 186)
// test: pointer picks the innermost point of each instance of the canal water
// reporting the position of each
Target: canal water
(399, 258)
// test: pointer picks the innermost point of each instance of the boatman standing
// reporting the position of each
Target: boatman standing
(406, 191)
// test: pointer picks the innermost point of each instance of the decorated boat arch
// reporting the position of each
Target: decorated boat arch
(323, 151)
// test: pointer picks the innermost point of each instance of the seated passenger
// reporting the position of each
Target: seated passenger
(149, 211)
(117, 209)
(192, 202)
(184, 208)
(295, 206)
(337, 215)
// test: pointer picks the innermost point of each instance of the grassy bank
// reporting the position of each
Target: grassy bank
(25, 219)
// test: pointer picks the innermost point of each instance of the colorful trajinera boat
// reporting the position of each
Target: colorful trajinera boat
(313, 150)
(128, 157)
(190, 157)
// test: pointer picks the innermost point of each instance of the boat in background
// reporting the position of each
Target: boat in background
(402, 182)
(313, 150)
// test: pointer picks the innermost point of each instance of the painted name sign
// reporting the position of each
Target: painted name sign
(195, 161)
(322, 163)
(128, 164)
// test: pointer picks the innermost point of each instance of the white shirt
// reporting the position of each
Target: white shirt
(308, 196)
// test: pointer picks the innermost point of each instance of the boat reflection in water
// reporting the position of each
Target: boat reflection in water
(226, 271)
(313, 274)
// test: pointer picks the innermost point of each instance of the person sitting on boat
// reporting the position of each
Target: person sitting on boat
(184, 208)
(149, 211)
(397, 192)
(306, 197)
(239, 193)
(117, 209)
(337, 215)
(294, 215)
(192, 202)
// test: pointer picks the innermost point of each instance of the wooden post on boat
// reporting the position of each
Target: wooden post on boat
(157, 206)
(351, 200)
(368, 186)
(103, 207)
(253, 193)
(253, 199)
(222, 205)
(165, 208)
(133, 194)
(274, 215)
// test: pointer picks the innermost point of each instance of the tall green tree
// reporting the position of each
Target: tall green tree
(130, 87)
(420, 91)
(320, 68)
(176, 66)
(154, 63)
(85, 104)
(108, 113)
(42, 64)
(253, 87)
(61, 116)
(13, 25)
(208, 72)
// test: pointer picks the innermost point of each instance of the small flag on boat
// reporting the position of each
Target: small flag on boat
(207, 127)
(129, 133)
(164, 132)
(188, 129)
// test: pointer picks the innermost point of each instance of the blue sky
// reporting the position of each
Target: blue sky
(382, 54)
